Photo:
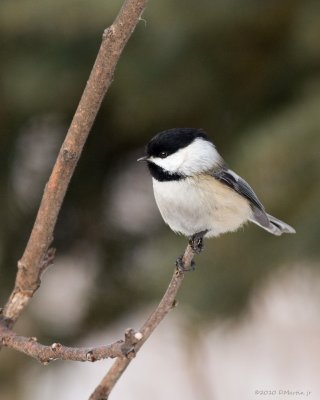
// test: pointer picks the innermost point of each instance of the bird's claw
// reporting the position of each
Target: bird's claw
(196, 242)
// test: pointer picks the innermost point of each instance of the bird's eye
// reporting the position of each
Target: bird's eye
(163, 154)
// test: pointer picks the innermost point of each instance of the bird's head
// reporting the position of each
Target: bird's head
(182, 151)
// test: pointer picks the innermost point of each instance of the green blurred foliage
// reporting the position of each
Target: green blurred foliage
(246, 71)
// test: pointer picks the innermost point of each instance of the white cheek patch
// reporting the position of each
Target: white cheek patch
(173, 162)
(199, 156)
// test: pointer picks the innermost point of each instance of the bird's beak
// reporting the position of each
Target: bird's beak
(145, 158)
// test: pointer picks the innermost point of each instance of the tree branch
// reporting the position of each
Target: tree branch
(166, 304)
(30, 266)
(36, 256)
(45, 354)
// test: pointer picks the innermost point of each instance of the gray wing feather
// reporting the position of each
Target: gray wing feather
(238, 184)
(233, 180)
(259, 215)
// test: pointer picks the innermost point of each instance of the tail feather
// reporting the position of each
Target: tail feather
(275, 226)
(280, 226)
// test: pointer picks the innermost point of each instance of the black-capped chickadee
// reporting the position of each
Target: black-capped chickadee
(196, 193)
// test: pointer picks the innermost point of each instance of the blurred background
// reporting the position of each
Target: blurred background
(248, 73)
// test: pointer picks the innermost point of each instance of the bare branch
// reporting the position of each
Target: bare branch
(36, 256)
(45, 354)
(166, 304)
(30, 266)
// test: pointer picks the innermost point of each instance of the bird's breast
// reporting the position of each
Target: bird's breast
(200, 203)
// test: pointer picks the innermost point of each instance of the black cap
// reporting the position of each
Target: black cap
(171, 140)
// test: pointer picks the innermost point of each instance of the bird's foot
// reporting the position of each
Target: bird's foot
(196, 242)
(181, 267)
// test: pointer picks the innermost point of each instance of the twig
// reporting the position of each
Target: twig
(29, 267)
(45, 354)
(166, 304)
(36, 256)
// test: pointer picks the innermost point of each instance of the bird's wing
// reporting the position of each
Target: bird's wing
(238, 184)
(259, 215)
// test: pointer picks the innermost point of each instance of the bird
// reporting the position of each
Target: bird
(197, 194)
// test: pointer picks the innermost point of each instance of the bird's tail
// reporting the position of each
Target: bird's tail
(276, 227)
(279, 227)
